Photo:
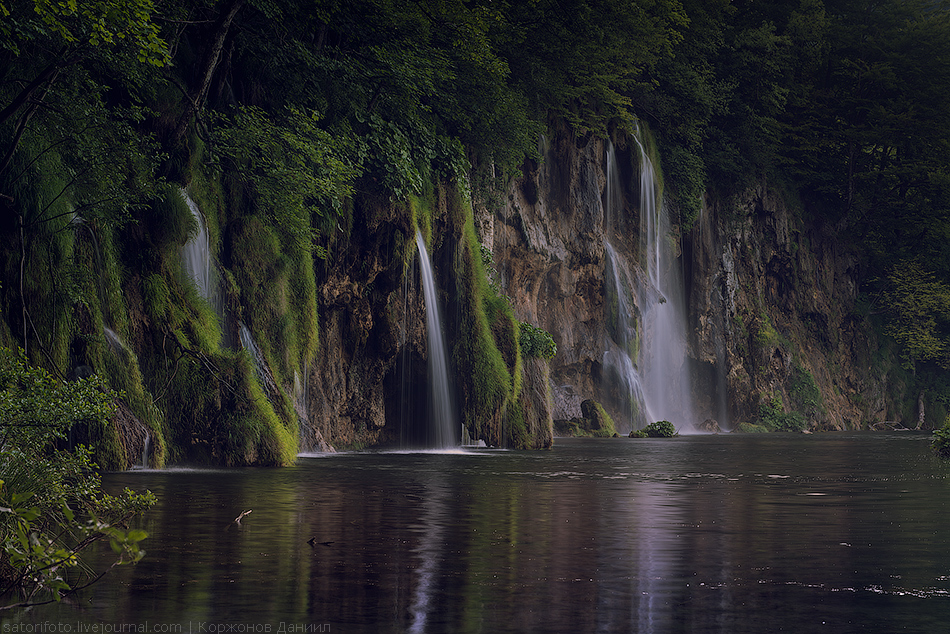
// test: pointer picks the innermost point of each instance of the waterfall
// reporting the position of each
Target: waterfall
(146, 446)
(663, 356)
(260, 365)
(442, 417)
(623, 342)
(650, 362)
(197, 261)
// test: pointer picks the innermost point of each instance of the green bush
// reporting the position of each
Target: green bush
(805, 393)
(941, 440)
(660, 429)
(772, 416)
(536, 342)
(51, 502)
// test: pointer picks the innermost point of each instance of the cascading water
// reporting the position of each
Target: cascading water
(623, 343)
(197, 261)
(654, 374)
(443, 425)
(260, 365)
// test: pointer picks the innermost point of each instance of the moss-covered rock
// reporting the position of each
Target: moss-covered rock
(749, 428)
(595, 423)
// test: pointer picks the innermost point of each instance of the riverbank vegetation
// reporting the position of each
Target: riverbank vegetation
(51, 504)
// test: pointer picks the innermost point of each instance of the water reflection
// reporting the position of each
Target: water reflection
(435, 516)
(695, 534)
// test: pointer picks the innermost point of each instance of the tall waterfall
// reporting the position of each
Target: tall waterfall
(442, 420)
(651, 361)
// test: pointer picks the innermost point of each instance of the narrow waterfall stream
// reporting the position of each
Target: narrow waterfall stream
(443, 426)
(198, 263)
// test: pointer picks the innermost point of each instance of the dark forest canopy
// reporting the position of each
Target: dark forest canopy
(841, 101)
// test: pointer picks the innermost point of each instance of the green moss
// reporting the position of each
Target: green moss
(766, 336)
(486, 352)
(515, 427)
(805, 393)
(750, 428)
(277, 294)
(773, 417)
(597, 421)
(219, 414)
(170, 223)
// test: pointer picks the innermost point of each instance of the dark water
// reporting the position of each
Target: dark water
(772, 533)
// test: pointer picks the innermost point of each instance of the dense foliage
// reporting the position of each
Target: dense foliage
(658, 429)
(51, 504)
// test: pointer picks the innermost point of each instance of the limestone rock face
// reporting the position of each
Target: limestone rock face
(547, 245)
(372, 336)
(773, 315)
(770, 301)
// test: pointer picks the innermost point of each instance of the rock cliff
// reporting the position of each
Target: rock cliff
(772, 328)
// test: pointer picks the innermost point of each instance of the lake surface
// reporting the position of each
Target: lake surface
(757, 533)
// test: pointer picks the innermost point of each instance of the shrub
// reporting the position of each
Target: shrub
(660, 429)
(772, 416)
(941, 440)
(536, 342)
(51, 502)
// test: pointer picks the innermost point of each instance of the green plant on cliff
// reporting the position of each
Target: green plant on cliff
(536, 342)
(772, 416)
(487, 354)
(919, 303)
(805, 393)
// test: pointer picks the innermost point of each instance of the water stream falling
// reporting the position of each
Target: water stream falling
(622, 345)
(442, 420)
(198, 263)
(260, 365)
(652, 366)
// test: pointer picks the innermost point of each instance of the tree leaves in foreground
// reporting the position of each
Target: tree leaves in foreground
(52, 506)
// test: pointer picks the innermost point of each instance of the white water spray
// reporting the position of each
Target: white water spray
(197, 261)
(442, 417)
(654, 375)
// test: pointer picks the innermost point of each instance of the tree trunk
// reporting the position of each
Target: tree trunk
(48, 74)
(920, 410)
(209, 63)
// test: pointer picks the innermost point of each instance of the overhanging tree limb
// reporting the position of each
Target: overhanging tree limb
(209, 64)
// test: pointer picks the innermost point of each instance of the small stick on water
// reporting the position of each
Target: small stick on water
(237, 520)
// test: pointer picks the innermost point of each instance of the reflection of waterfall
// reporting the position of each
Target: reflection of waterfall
(442, 417)
(430, 550)
(652, 363)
